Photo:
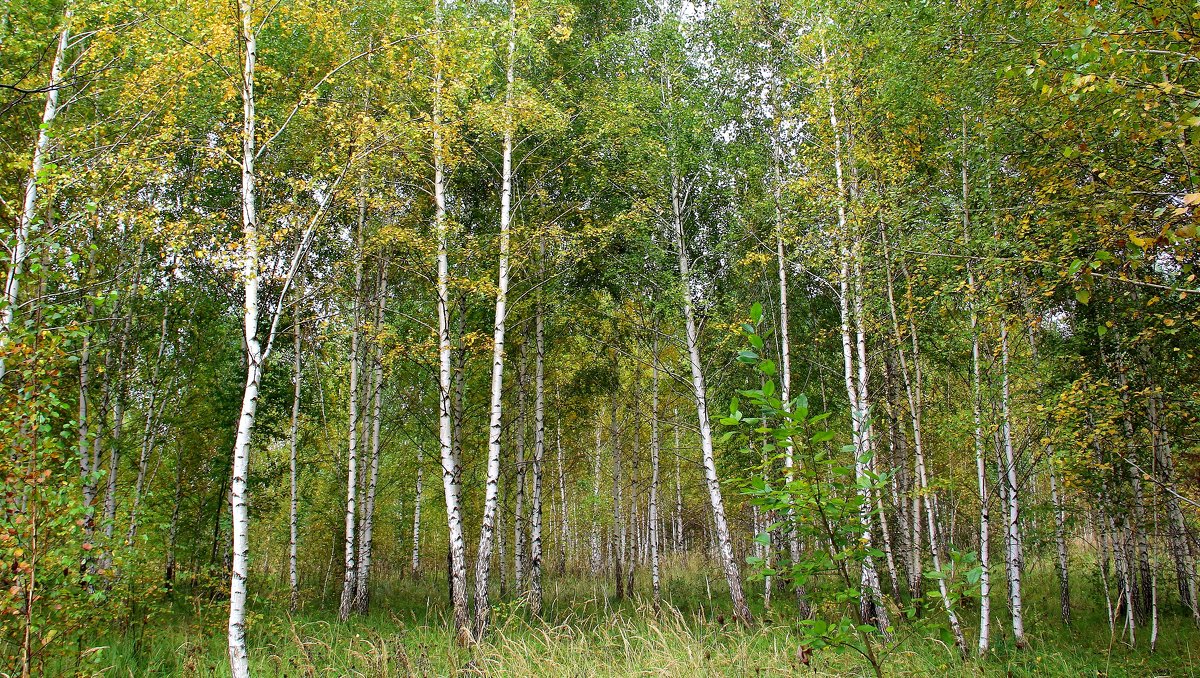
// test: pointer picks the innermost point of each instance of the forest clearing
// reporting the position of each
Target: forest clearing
(582, 338)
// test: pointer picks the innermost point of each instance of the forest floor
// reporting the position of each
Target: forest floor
(583, 633)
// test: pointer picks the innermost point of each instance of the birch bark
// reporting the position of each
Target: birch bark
(654, 454)
(293, 513)
(1013, 524)
(362, 593)
(722, 541)
(41, 149)
(450, 475)
(539, 447)
(487, 526)
(350, 573)
(239, 664)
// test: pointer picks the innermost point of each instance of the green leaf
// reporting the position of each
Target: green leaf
(767, 367)
(1083, 296)
(756, 312)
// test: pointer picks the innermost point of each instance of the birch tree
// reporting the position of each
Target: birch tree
(487, 525)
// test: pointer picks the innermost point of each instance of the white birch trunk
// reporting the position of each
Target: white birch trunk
(654, 454)
(1013, 506)
(350, 573)
(539, 450)
(595, 540)
(564, 534)
(519, 502)
(416, 535)
(41, 149)
(362, 593)
(871, 604)
(985, 577)
(293, 513)
(678, 522)
(618, 529)
(239, 661)
(450, 479)
(487, 526)
(723, 543)
(1060, 547)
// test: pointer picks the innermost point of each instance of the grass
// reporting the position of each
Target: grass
(583, 632)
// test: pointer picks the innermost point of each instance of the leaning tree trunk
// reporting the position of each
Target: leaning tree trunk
(153, 415)
(487, 526)
(723, 543)
(41, 149)
(1177, 536)
(293, 514)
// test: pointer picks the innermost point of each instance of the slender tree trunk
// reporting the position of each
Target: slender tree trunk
(678, 486)
(173, 530)
(1060, 547)
(655, 536)
(872, 599)
(618, 529)
(1143, 544)
(1013, 518)
(239, 661)
(416, 535)
(119, 384)
(487, 526)
(595, 541)
(350, 573)
(152, 417)
(362, 593)
(86, 467)
(539, 449)
(1177, 536)
(723, 543)
(28, 216)
(564, 534)
(293, 508)
(985, 577)
(450, 477)
(519, 528)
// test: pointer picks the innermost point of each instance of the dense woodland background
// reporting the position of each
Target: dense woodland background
(599, 337)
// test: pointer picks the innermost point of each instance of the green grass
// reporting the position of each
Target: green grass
(584, 633)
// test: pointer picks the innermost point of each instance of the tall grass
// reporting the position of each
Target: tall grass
(584, 632)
